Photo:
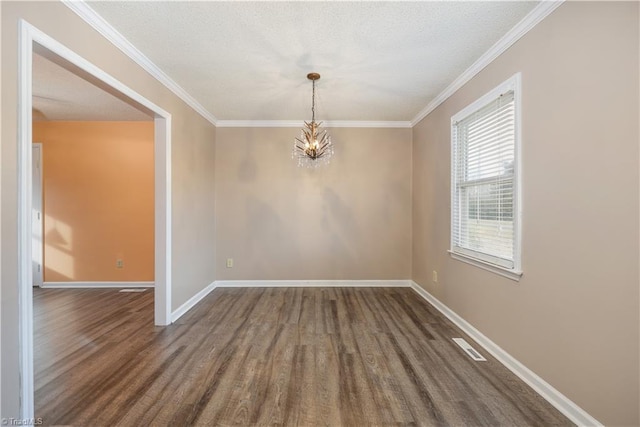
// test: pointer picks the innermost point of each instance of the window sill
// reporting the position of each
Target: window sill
(509, 274)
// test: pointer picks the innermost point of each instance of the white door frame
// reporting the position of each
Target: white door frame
(31, 38)
(37, 235)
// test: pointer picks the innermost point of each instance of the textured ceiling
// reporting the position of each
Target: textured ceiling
(379, 61)
(59, 94)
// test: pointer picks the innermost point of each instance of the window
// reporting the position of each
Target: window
(484, 181)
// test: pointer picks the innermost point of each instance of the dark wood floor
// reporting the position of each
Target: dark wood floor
(258, 356)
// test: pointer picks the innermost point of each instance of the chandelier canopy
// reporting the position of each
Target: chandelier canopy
(314, 146)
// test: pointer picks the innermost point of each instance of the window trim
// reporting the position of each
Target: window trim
(460, 254)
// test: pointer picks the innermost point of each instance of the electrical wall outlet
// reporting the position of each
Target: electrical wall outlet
(229, 262)
(434, 276)
(119, 263)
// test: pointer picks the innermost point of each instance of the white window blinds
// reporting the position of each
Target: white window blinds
(484, 184)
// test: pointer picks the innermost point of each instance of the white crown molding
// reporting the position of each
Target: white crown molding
(298, 123)
(98, 23)
(520, 29)
(91, 17)
(561, 402)
(85, 285)
(259, 123)
(105, 29)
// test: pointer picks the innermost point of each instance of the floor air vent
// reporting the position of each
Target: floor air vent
(469, 350)
(132, 290)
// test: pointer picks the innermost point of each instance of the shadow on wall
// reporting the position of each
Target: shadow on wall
(267, 235)
(338, 218)
(248, 168)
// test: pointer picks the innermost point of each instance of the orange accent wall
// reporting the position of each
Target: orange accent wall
(98, 184)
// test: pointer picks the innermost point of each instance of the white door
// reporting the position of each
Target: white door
(36, 215)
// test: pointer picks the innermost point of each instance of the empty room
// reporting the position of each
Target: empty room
(342, 213)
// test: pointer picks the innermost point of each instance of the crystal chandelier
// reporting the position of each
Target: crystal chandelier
(314, 147)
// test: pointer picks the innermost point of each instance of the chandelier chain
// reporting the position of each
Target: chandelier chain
(313, 102)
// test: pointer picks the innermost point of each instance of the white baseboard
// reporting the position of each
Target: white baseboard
(86, 285)
(544, 389)
(313, 283)
(191, 302)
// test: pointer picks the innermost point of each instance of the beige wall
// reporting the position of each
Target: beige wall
(193, 155)
(98, 200)
(350, 220)
(574, 317)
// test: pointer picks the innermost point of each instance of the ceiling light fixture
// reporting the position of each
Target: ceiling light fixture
(314, 147)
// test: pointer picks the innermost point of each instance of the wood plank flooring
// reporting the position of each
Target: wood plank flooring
(268, 356)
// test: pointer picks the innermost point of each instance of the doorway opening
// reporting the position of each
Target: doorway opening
(32, 40)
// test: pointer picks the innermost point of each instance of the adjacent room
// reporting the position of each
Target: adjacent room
(336, 213)
(93, 229)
